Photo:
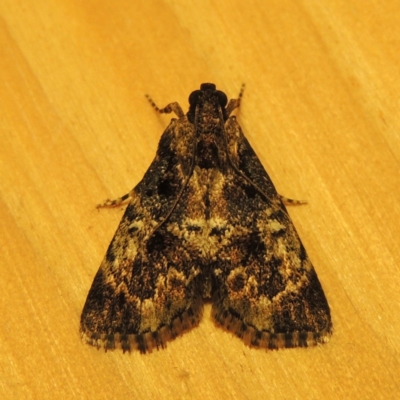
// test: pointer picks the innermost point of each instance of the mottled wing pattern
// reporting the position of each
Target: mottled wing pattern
(266, 290)
(205, 221)
(141, 297)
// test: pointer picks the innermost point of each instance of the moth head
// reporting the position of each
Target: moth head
(207, 93)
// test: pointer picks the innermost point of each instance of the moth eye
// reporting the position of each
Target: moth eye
(222, 99)
(194, 97)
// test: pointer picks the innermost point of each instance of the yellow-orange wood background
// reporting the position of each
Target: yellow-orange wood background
(321, 109)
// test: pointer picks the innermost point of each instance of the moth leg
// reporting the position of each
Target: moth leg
(292, 202)
(235, 103)
(172, 107)
(116, 202)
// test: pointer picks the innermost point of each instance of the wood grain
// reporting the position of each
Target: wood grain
(321, 109)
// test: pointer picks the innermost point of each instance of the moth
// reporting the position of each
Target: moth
(205, 222)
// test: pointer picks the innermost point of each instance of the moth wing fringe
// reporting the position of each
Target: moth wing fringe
(267, 340)
(146, 342)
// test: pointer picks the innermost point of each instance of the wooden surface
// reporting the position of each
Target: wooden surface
(321, 109)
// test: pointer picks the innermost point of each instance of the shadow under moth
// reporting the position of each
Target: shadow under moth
(205, 222)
